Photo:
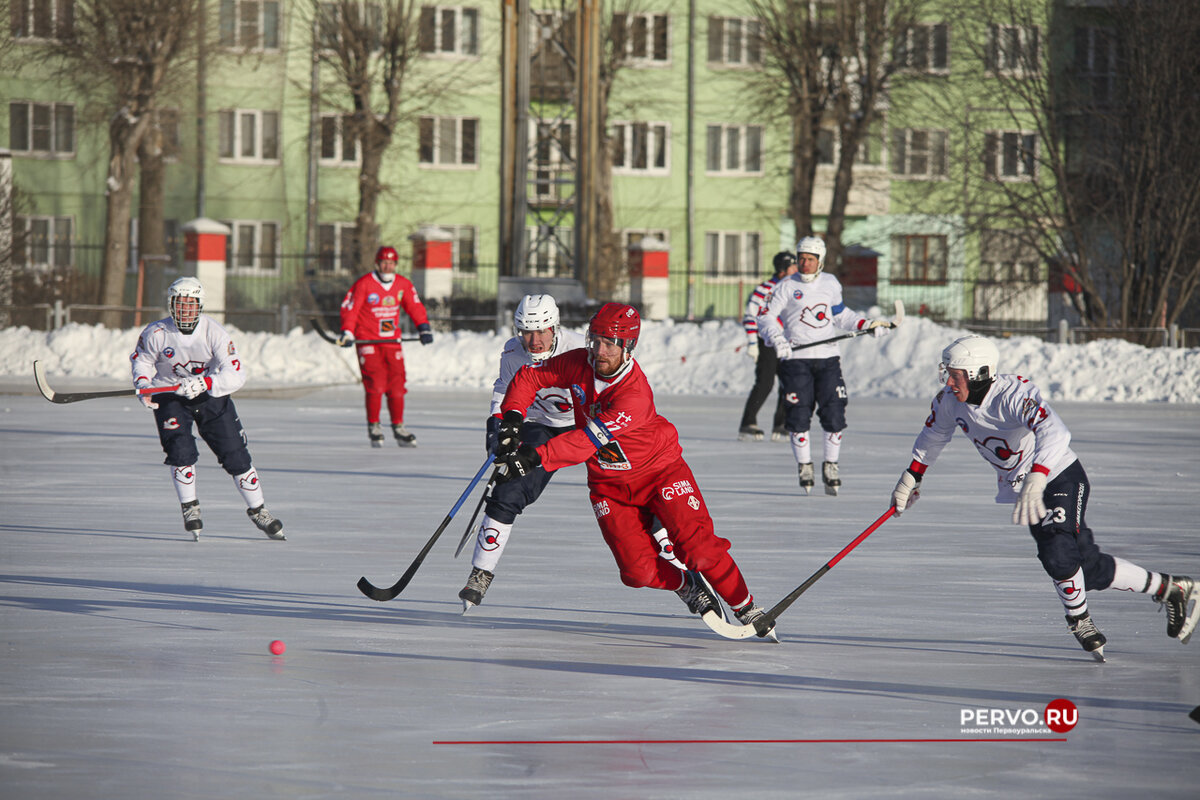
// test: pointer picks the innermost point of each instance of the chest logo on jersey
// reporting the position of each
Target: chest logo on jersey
(676, 489)
(612, 457)
(169, 352)
(815, 316)
(798, 294)
(580, 397)
(997, 451)
(553, 402)
(373, 298)
(389, 301)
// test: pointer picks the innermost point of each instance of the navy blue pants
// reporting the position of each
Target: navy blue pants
(217, 422)
(510, 498)
(1064, 541)
(809, 383)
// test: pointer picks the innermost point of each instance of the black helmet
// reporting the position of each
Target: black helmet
(783, 259)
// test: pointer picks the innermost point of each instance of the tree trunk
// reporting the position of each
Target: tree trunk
(124, 137)
(152, 249)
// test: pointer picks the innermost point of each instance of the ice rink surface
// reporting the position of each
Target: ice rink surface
(135, 663)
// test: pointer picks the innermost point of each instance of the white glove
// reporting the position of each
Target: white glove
(346, 339)
(907, 491)
(191, 387)
(783, 350)
(752, 350)
(1030, 507)
(148, 400)
(879, 327)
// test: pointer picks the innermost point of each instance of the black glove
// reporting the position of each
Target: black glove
(519, 464)
(493, 432)
(508, 436)
(426, 333)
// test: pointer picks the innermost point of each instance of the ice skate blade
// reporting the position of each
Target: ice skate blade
(1098, 654)
(195, 536)
(377, 444)
(467, 606)
(832, 491)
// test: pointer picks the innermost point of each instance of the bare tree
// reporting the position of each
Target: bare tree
(121, 53)
(827, 64)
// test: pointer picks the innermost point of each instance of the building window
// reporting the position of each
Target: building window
(919, 259)
(923, 48)
(249, 135)
(249, 25)
(643, 38)
(1095, 62)
(1010, 155)
(253, 246)
(168, 124)
(1013, 50)
(449, 30)
(548, 250)
(734, 150)
(43, 241)
(553, 168)
(336, 248)
(339, 145)
(641, 147)
(731, 254)
(448, 141)
(735, 41)
(329, 24)
(41, 129)
(42, 19)
(918, 153)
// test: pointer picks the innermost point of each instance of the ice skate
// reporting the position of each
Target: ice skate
(477, 585)
(829, 473)
(375, 434)
(779, 435)
(806, 476)
(266, 523)
(696, 595)
(752, 612)
(1176, 594)
(750, 433)
(403, 437)
(1089, 636)
(191, 519)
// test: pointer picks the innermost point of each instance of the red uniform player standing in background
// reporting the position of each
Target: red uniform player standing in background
(371, 310)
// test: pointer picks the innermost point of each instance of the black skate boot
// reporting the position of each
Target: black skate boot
(829, 473)
(266, 523)
(375, 433)
(191, 519)
(477, 585)
(779, 435)
(1175, 594)
(1089, 636)
(696, 595)
(752, 612)
(806, 476)
(750, 433)
(403, 437)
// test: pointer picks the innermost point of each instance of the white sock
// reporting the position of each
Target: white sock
(801, 448)
(247, 484)
(833, 446)
(184, 480)
(1072, 593)
(489, 543)
(1129, 577)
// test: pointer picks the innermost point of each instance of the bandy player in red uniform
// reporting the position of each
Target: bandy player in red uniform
(371, 310)
(636, 472)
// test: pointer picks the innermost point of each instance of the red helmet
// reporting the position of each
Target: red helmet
(617, 321)
(387, 254)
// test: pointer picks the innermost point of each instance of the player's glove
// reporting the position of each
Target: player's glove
(426, 333)
(147, 399)
(752, 350)
(879, 327)
(1030, 507)
(519, 464)
(346, 339)
(907, 490)
(783, 350)
(192, 387)
(491, 434)
(508, 435)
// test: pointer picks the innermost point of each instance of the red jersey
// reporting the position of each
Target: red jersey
(371, 310)
(618, 431)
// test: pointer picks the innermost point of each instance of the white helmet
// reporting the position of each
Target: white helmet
(975, 354)
(815, 246)
(537, 312)
(185, 318)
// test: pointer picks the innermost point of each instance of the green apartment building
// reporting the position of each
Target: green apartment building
(247, 146)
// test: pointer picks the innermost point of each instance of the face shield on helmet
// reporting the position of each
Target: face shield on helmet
(814, 246)
(185, 301)
(535, 314)
(619, 325)
(976, 355)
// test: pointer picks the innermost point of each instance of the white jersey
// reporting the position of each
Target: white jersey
(799, 313)
(551, 407)
(1013, 429)
(164, 355)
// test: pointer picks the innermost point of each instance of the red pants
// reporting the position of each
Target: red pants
(625, 513)
(383, 373)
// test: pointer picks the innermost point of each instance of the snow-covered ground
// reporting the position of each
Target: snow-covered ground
(135, 662)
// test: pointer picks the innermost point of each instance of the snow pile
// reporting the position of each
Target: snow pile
(680, 358)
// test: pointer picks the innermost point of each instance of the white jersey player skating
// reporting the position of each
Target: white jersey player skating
(539, 336)
(1029, 446)
(197, 354)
